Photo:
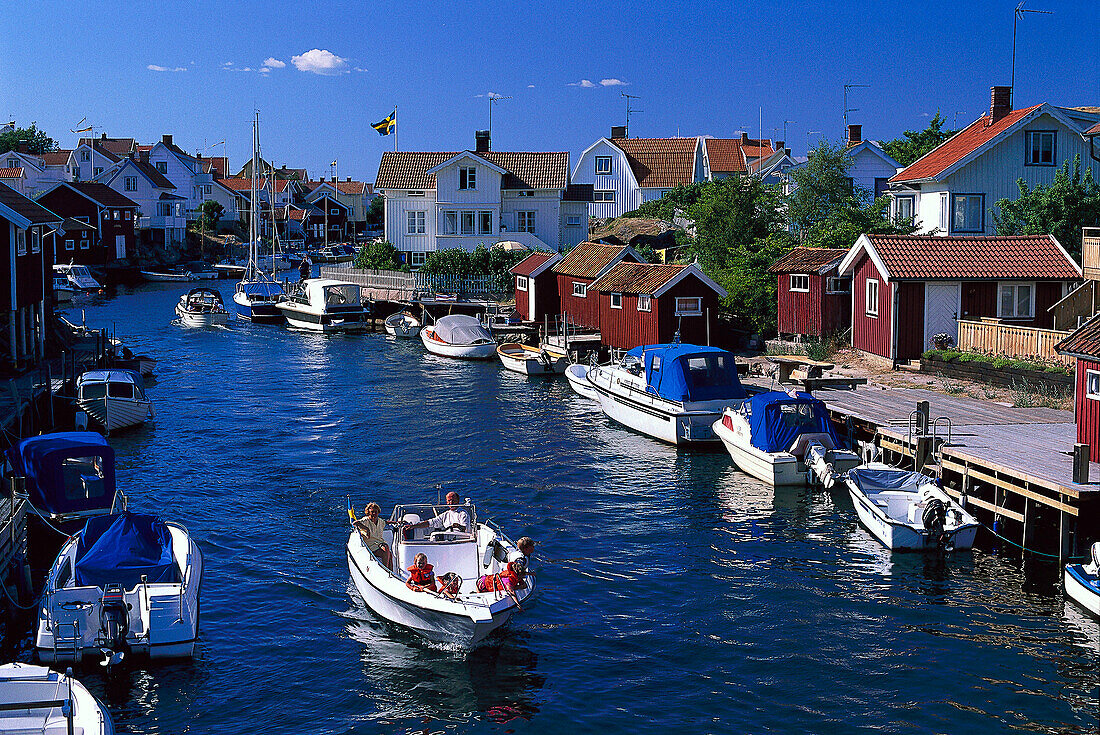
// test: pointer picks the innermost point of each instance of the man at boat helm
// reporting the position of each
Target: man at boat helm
(452, 519)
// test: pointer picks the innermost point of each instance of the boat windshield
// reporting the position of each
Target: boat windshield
(427, 511)
(684, 372)
(345, 294)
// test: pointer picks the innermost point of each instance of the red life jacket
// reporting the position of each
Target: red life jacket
(421, 576)
(495, 582)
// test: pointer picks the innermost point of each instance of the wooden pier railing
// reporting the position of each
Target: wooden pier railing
(994, 337)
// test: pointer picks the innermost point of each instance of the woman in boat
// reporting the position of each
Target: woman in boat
(370, 528)
(421, 577)
(508, 581)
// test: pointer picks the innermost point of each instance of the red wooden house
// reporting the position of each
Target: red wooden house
(536, 286)
(644, 304)
(580, 267)
(110, 218)
(1084, 344)
(814, 300)
(907, 288)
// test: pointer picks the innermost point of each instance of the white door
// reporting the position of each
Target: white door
(120, 246)
(530, 299)
(941, 310)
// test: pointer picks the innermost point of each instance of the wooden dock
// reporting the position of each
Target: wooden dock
(1013, 466)
(13, 539)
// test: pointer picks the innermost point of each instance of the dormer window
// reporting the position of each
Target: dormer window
(84, 155)
(1040, 148)
(467, 178)
(162, 166)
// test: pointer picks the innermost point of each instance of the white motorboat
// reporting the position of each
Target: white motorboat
(770, 435)
(169, 275)
(480, 551)
(201, 270)
(62, 289)
(78, 276)
(674, 392)
(1083, 582)
(403, 325)
(128, 583)
(115, 399)
(325, 305)
(532, 360)
(202, 307)
(460, 336)
(577, 375)
(908, 510)
(37, 701)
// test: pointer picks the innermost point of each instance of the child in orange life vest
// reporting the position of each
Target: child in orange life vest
(508, 581)
(421, 576)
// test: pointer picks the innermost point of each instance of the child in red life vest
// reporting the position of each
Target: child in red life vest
(508, 581)
(421, 576)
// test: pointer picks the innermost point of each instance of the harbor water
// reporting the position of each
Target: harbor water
(676, 593)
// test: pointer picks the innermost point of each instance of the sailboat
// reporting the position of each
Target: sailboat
(257, 293)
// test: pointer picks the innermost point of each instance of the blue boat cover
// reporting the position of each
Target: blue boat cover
(872, 480)
(260, 288)
(120, 548)
(776, 420)
(683, 372)
(53, 490)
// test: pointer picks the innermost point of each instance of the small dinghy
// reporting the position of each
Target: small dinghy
(907, 510)
(770, 436)
(115, 399)
(35, 700)
(464, 617)
(1083, 582)
(532, 360)
(459, 336)
(403, 325)
(577, 375)
(126, 584)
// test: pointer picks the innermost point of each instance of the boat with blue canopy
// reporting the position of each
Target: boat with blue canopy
(770, 436)
(672, 392)
(1083, 581)
(127, 583)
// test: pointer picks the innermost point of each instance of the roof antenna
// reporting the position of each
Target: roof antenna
(1020, 10)
(847, 109)
(629, 109)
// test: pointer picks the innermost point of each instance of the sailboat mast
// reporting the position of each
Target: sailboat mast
(253, 219)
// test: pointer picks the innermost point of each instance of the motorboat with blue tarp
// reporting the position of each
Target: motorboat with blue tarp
(127, 583)
(771, 434)
(671, 392)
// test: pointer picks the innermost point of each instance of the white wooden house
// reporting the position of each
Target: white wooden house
(870, 167)
(162, 213)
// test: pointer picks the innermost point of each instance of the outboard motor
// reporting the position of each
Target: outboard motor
(114, 622)
(820, 469)
(934, 519)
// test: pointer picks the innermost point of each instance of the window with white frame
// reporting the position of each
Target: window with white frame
(573, 220)
(450, 223)
(84, 245)
(164, 209)
(903, 207)
(416, 193)
(162, 166)
(870, 306)
(466, 223)
(415, 222)
(84, 155)
(969, 213)
(467, 178)
(521, 283)
(334, 211)
(945, 212)
(1092, 384)
(525, 221)
(97, 171)
(70, 245)
(485, 223)
(580, 290)
(1016, 301)
(13, 163)
(603, 196)
(689, 306)
(643, 302)
(1039, 148)
(20, 242)
(836, 284)
(800, 282)
(118, 214)
(616, 301)
(417, 259)
(36, 241)
(603, 164)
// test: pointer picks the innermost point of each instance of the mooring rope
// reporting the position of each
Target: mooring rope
(1033, 551)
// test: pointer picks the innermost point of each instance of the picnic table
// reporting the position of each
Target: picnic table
(810, 374)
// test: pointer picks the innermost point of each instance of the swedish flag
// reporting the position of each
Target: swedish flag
(387, 126)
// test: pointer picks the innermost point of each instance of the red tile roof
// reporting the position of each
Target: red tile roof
(11, 173)
(346, 187)
(101, 194)
(809, 260)
(587, 259)
(56, 158)
(727, 155)
(1094, 130)
(922, 257)
(1085, 342)
(245, 185)
(660, 162)
(636, 278)
(528, 265)
(526, 170)
(959, 146)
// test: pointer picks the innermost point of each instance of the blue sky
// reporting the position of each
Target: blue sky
(699, 68)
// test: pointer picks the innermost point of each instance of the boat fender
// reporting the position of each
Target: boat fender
(934, 517)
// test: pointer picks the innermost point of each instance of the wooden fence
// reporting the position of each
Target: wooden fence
(992, 337)
(412, 283)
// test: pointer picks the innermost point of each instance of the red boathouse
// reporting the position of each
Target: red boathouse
(814, 300)
(1084, 344)
(536, 286)
(578, 270)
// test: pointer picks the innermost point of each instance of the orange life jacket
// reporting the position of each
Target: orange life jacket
(421, 576)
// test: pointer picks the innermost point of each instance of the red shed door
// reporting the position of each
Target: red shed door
(941, 310)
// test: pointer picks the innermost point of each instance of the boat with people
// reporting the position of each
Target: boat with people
(672, 392)
(114, 398)
(325, 305)
(62, 289)
(402, 325)
(440, 559)
(37, 700)
(577, 375)
(908, 510)
(770, 435)
(1082, 581)
(127, 583)
(173, 274)
(78, 276)
(202, 307)
(528, 360)
(459, 336)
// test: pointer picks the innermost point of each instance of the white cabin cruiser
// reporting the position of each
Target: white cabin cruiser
(1083, 581)
(325, 305)
(202, 307)
(459, 336)
(403, 325)
(770, 435)
(127, 583)
(471, 554)
(577, 375)
(532, 360)
(62, 289)
(37, 701)
(908, 510)
(78, 276)
(115, 399)
(674, 392)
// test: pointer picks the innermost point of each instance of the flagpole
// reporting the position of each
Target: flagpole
(395, 128)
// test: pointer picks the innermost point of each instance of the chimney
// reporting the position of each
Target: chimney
(744, 138)
(855, 135)
(144, 156)
(103, 136)
(348, 179)
(1000, 103)
(779, 145)
(22, 147)
(482, 144)
(166, 139)
(618, 132)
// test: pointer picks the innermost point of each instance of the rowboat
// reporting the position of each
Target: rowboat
(115, 399)
(577, 375)
(402, 325)
(532, 360)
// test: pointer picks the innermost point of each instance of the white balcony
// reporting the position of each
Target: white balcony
(470, 242)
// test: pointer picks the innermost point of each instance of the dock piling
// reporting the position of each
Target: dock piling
(1081, 463)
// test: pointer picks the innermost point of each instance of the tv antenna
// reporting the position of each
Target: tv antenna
(1020, 10)
(629, 109)
(850, 109)
(494, 98)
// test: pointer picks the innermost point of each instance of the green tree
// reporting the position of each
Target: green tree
(913, 144)
(451, 261)
(822, 186)
(381, 256)
(1072, 201)
(681, 198)
(209, 214)
(36, 140)
(751, 289)
(731, 215)
(375, 211)
(856, 217)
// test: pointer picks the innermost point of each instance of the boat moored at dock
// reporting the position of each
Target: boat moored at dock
(403, 325)
(577, 375)
(115, 399)
(325, 305)
(78, 276)
(34, 699)
(459, 336)
(1082, 582)
(62, 290)
(169, 275)
(532, 360)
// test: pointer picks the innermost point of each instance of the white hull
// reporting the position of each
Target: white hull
(780, 469)
(402, 326)
(577, 375)
(1083, 588)
(116, 413)
(202, 319)
(911, 536)
(532, 361)
(314, 322)
(62, 295)
(479, 351)
(46, 690)
(168, 277)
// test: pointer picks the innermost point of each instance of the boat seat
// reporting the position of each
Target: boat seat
(461, 558)
(803, 442)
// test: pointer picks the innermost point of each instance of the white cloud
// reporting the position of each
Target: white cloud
(582, 83)
(530, 86)
(272, 63)
(359, 69)
(612, 83)
(155, 67)
(320, 61)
